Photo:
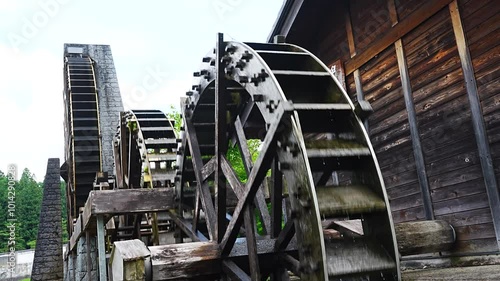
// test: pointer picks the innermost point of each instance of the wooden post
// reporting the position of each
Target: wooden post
(220, 139)
(477, 118)
(101, 248)
(412, 120)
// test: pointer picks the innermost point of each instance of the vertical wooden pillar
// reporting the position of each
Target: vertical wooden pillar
(412, 119)
(101, 248)
(477, 118)
(220, 138)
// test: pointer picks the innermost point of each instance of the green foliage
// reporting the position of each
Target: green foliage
(234, 157)
(28, 199)
(176, 117)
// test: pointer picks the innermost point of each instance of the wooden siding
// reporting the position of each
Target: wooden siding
(443, 114)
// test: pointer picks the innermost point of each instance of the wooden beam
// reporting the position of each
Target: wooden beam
(197, 259)
(415, 137)
(255, 178)
(477, 118)
(352, 49)
(186, 227)
(253, 259)
(285, 236)
(220, 138)
(418, 237)
(348, 27)
(234, 272)
(398, 31)
(129, 201)
(101, 248)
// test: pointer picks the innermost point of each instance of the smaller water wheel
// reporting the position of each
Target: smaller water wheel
(145, 152)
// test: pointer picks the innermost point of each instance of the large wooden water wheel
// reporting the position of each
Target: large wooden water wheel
(314, 226)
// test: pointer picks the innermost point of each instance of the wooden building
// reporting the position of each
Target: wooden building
(431, 71)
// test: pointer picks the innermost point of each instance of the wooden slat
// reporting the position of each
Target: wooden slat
(398, 31)
(348, 257)
(128, 201)
(336, 200)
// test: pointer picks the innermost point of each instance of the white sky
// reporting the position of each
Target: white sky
(168, 36)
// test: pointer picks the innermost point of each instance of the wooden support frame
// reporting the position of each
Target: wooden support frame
(122, 201)
(399, 30)
(236, 185)
(260, 200)
(477, 118)
(101, 248)
(412, 120)
(220, 139)
(254, 180)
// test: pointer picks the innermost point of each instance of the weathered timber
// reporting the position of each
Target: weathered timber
(220, 139)
(424, 237)
(121, 201)
(197, 259)
(415, 137)
(399, 30)
(477, 119)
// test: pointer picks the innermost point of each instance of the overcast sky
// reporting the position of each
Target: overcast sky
(165, 36)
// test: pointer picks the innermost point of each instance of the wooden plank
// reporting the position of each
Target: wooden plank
(129, 201)
(198, 259)
(477, 118)
(404, 26)
(415, 137)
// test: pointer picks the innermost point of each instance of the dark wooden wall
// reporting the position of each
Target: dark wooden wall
(451, 163)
